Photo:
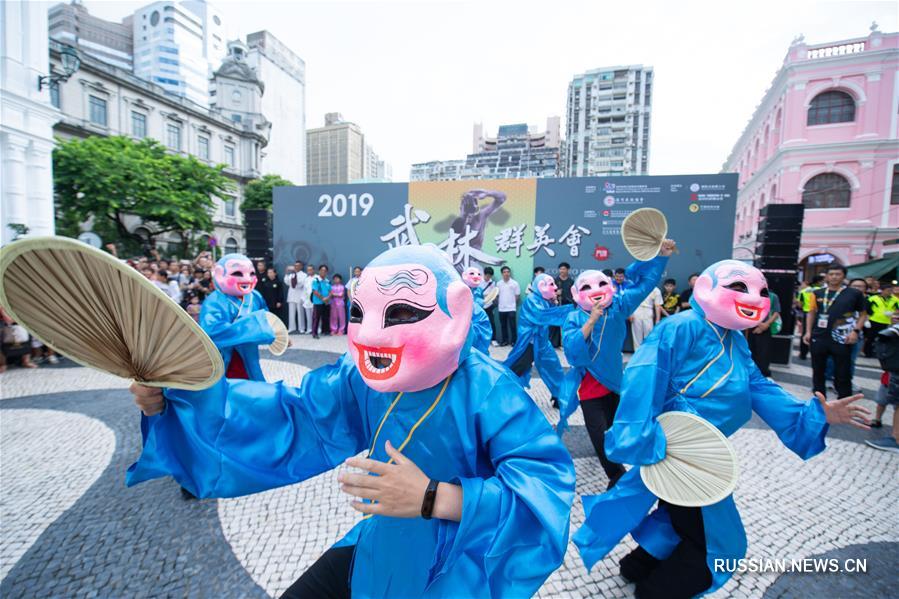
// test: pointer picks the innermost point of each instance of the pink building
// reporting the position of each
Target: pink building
(825, 135)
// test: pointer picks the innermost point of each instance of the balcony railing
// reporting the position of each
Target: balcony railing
(838, 50)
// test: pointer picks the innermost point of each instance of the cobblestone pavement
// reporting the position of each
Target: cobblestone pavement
(70, 528)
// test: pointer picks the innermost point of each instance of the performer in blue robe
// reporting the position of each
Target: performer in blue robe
(593, 338)
(490, 516)
(539, 312)
(697, 361)
(480, 322)
(234, 317)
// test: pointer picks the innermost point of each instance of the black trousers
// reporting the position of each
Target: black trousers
(508, 328)
(327, 578)
(320, 316)
(871, 336)
(823, 346)
(760, 346)
(685, 573)
(599, 414)
(525, 361)
(490, 315)
(555, 336)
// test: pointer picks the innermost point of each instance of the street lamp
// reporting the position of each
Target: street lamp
(70, 64)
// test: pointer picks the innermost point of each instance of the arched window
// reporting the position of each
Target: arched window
(827, 190)
(231, 245)
(831, 107)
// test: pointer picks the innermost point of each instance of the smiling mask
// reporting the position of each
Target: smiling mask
(234, 275)
(409, 319)
(733, 295)
(545, 286)
(472, 277)
(593, 287)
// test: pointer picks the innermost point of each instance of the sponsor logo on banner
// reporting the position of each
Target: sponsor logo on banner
(608, 187)
(609, 201)
(601, 253)
(694, 208)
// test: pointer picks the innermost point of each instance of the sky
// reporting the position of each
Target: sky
(416, 75)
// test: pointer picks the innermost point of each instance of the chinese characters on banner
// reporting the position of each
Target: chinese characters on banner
(463, 254)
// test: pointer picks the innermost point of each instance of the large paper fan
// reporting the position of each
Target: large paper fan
(700, 465)
(643, 232)
(282, 339)
(101, 313)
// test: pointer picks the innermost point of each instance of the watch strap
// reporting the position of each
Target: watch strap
(427, 503)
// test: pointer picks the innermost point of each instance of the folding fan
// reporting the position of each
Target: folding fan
(491, 295)
(282, 339)
(643, 232)
(101, 313)
(700, 465)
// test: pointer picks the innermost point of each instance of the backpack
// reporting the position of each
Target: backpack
(886, 348)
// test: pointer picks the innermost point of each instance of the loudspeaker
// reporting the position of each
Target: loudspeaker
(259, 234)
(766, 235)
(785, 250)
(776, 263)
(783, 211)
(779, 236)
(781, 349)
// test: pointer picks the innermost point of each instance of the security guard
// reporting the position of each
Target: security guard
(881, 308)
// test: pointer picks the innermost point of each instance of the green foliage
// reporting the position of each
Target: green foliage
(108, 178)
(258, 193)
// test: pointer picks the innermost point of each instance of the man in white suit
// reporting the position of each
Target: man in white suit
(295, 283)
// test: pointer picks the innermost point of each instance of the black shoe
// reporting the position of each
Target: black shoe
(187, 495)
(315, 336)
(555, 402)
(638, 565)
(876, 423)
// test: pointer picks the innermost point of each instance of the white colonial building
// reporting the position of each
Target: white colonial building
(26, 122)
(101, 99)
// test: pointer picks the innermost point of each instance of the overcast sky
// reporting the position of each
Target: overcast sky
(416, 75)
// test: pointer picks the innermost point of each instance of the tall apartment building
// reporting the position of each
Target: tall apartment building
(516, 152)
(177, 45)
(337, 153)
(113, 43)
(284, 74)
(608, 122)
(825, 135)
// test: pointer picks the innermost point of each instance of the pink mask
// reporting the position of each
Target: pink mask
(733, 295)
(234, 275)
(405, 332)
(472, 277)
(545, 285)
(593, 287)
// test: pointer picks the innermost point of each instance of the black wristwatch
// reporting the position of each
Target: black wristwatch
(427, 504)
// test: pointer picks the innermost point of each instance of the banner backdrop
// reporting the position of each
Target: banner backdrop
(521, 223)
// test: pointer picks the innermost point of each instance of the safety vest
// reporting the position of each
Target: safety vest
(805, 297)
(881, 306)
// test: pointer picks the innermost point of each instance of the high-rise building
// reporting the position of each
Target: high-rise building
(26, 122)
(608, 122)
(516, 152)
(177, 45)
(337, 153)
(825, 135)
(112, 43)
(284, 74)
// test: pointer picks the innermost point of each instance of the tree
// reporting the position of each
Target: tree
(105, 179)
(258, 193)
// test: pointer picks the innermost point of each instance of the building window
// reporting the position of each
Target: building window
(173, 136)
(827, 190)
(831, 107)
(231, 245)
(229, 155)
(230, 206)
(894, 194)
(138, 125)
(203, 147)
(54, 93)
(98, 111)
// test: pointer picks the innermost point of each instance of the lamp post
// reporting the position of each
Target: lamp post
(70, 64)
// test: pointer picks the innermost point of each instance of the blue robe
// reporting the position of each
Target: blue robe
(233, 328)
(688, 364)
(601, 355)
(478, 294)
(483, 330)
(486, 434)
(534, 319)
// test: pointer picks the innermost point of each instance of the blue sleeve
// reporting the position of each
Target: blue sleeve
(515, 521)
(539, 312)
(480, 323)
(800, 425)
(636, 436)
(578, 351)
(643, 277)
(252, 328)
(240, 437)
